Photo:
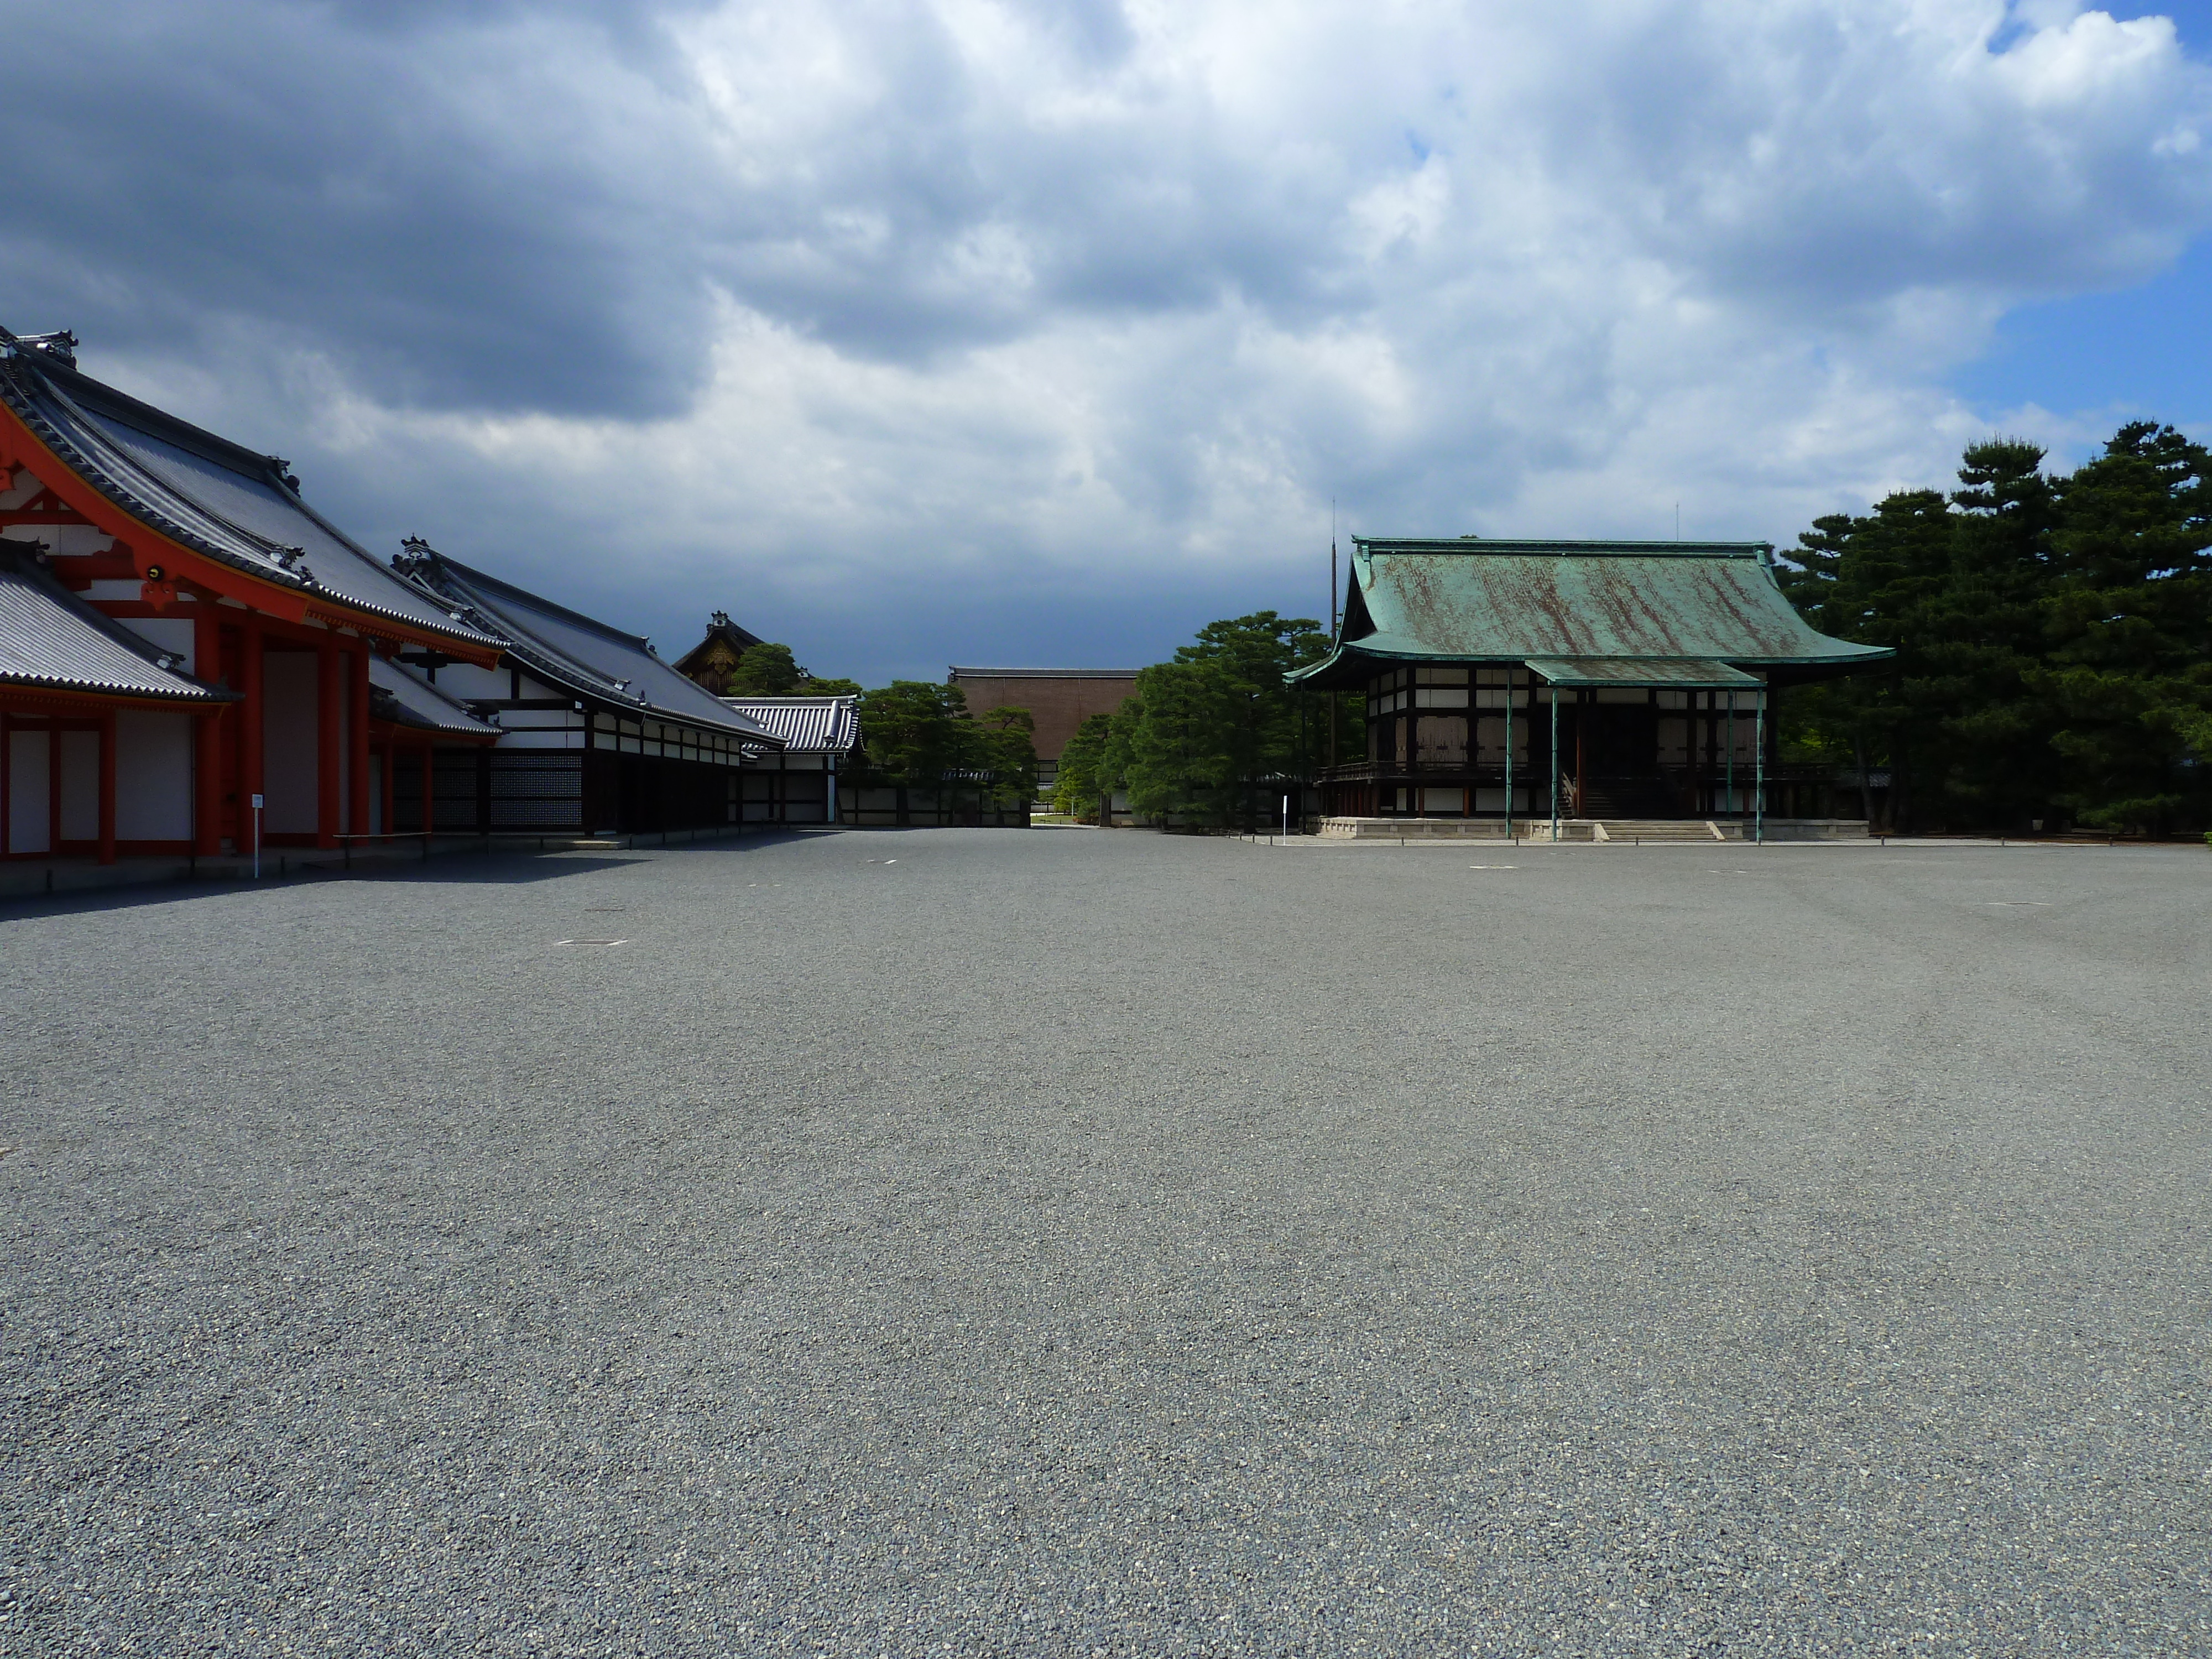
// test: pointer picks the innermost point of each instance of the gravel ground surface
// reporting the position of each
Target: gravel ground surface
(1065, 1241)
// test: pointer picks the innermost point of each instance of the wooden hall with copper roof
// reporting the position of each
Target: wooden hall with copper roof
(1565, 681)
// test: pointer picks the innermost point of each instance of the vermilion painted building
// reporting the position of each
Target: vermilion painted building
(210, 553)
(181, 632)
(97, 725)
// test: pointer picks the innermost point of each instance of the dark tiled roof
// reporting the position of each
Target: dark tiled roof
(823, 725)
(52, 640)
(1045, 673)
(739, 640)
(204, 492)
(417, 702)
(574, 651)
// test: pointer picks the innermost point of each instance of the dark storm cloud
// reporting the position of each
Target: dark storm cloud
(857, 305)
(506, 207)
(458, 205)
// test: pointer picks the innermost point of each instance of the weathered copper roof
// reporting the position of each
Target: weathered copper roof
(1476, 601)
(1698, 673)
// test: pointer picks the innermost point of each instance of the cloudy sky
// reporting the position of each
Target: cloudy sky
(918, 332)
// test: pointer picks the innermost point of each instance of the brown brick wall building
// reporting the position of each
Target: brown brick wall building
(1059, 699)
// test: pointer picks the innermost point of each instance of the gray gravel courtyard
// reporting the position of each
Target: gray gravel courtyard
(1070, 1241)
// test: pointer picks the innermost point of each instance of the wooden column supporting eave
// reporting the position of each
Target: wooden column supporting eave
(207, 733)
(329, 744)
(357, 742)
(207, 783)
(252, 736)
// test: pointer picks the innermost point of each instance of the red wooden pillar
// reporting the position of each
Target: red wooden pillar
(207, 784)
(108, 787)
(357, 742)
(207, 733)
(330, 743)
(429, 790)
(252, 732)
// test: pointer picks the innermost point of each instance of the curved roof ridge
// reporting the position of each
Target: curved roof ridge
(469, 574)
(181, 508)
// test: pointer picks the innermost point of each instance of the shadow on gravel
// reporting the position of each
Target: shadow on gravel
(459, 870)
(456, 869)
(745, 843)
(463, 870)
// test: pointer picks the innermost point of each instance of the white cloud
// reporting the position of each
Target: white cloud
(1060, 297)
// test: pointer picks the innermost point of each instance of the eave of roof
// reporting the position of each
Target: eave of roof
(1685, 673)
(523, 621)
(1468, 600)
(418, 703)
(50, 639)
(829, 725)
(67, 412)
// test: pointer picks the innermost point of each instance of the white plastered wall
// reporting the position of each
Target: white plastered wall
(79, 757)
(465, 680)
(153, 775)
(29, 800)
(166, 633)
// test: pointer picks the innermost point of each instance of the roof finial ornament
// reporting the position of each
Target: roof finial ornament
(60, 345)
(414, 553)
(719, 619)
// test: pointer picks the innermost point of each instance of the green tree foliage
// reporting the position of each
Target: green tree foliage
(1204, 738)
(920, 734)
(1083, 780)
(764, 671)
(2052, 638)
(1003, 743)
(770, 670)
(2127, 679)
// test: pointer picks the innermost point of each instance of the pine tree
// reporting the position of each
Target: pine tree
(2127, 685)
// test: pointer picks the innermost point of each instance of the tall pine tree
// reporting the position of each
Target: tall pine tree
(2126, 686)
(2053, 638)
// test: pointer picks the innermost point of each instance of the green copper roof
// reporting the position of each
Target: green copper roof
(1473, 600)
(1688, 673)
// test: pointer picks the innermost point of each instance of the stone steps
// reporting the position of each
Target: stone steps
(1666, 830)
